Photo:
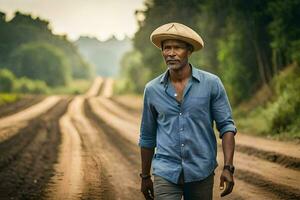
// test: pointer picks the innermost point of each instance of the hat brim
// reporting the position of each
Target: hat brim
(159, 38)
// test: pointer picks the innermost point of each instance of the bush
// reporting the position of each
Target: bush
(41, 61)
(295, 54)
(7, 79)
(287, 106)
(25, 85)
(6, 98)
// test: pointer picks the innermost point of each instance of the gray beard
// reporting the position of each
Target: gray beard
(174, 67)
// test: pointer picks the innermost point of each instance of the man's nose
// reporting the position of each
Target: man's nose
(172, 52)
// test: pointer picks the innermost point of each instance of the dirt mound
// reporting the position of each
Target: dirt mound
(21, 104)
(26, 160)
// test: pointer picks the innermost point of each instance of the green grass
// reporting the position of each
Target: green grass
(6, 98)
(279, 117)
(255, 122)
(74, 87)
(259, 120)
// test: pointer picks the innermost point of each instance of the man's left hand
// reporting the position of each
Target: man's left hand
(227, 178)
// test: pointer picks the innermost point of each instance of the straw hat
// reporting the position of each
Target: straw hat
(176, 31)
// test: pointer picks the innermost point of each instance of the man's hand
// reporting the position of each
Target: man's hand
(147, 188)
(226, 177)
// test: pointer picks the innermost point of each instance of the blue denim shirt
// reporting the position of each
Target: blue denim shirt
(183, 132)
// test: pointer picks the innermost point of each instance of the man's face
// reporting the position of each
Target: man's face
(175, 53)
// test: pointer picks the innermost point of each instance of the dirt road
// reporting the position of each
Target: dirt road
(86, 148)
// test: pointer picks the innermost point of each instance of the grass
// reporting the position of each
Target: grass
(258, 122)
(275, 114)
(6, 98)
(74, 87)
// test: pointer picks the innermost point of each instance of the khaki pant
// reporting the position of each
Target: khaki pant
(199, 190)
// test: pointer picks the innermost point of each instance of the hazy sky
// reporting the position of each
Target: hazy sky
(99, 18)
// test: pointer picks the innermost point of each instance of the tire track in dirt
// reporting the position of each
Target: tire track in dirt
(11, 124)
(28, 157)
(22, 104)
(288, 149)
(117, 110)
(134, 110)
(272, 177)
(79, 172)
(278, 158)
(95, 180)
(281, 191)
(67, 182)
(119, 157)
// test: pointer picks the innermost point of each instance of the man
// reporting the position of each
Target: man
(179, 109)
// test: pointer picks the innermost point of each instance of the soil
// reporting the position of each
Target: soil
(25, 102)
(27, 158)
(86, 148)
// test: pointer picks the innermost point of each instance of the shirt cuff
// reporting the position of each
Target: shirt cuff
(147, 143)
(228, 128)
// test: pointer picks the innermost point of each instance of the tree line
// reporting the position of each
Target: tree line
(247, 43)
(34, 57)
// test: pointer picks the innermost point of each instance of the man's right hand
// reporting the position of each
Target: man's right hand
(147, 188)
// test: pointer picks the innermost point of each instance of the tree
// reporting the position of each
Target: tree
(7, 80)
(23, 29)
(41, 61)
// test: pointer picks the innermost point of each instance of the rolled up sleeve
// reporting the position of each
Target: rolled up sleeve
(148, 123)
(221, 110)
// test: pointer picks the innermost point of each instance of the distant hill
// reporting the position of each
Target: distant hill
(106, 55)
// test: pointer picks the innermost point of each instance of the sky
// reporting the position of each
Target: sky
(94, 18)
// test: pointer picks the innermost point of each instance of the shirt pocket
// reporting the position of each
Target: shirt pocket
(198, 106)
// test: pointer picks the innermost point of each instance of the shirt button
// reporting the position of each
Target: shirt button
(182, 145)
(180, 113)
(181, 129)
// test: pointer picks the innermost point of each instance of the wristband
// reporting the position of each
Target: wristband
(230, 168)
(145, 176)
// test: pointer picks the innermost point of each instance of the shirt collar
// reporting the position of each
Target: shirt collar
(165, 76)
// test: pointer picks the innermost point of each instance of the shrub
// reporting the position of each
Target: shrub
(7, 79)
(25, 85)
(41, 61)
(287, 106)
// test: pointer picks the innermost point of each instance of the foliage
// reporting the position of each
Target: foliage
(41, 61)
(287, 112)
(6, 98)
(7, 79)
(246, 42)
(25, 85)
(281, 116)
(285, 29)
(235, 71)
(11, 84)
(133, 75)
(23, 29)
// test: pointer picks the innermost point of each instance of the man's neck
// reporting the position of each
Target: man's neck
(180, 75)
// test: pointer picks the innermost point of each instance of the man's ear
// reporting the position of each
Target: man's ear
(189, 53)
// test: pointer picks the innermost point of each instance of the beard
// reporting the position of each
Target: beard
(176, 65)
